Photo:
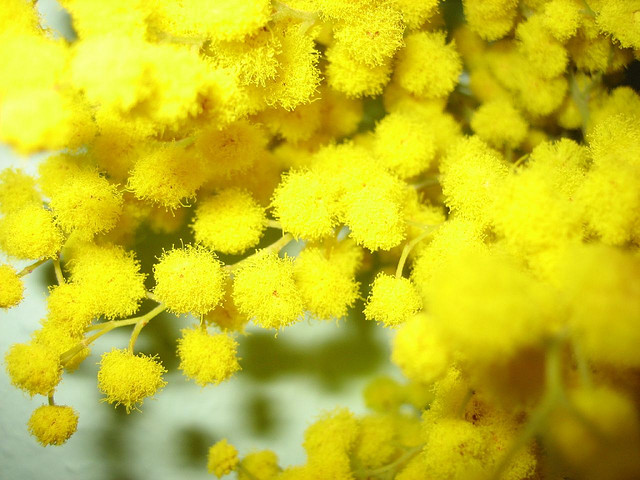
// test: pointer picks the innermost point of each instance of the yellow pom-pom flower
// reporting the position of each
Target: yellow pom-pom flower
(229, 222)
(11, 287)
(86, 204)
(17, 190)
(72, 306)
(353, 78)
(491, 19)
(327, 287)
(444, 65)
(33, 368)
(392, 301)
(166, 174)
(620, 19)
(30, 233)
(110, 277)
(303, 206)
(53, 424)
(262, 465)
(420, 351)
(403, 144)
(499, 123)
(127, 379)
(222, 458)
(470, 173)
(264, 289)
(189, 279)
(207, 359)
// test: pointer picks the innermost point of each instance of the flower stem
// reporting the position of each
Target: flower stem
(142, 322)
(30, 268)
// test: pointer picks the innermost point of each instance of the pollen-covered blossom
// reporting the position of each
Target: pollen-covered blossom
(464, 173)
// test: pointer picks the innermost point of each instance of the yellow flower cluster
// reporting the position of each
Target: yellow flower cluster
(487, 152)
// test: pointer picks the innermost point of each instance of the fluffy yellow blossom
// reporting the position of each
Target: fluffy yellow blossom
(499, 123)
(110, 277)
(86, 204)
(264, 290)
(226, 20)
(229, 222)
(419, 350)
(602, 283)
(392, 301)
(373, 210)
(303, 206)
(444, 65)
(620, 19)
(470, 174)
(53, 424)
(562, 18)
(491, 19)
(415, 14)
(30, 233)
(262, 465)
(325, 282)
(17, 190)
(222, 458)
(355, 79)
(518, 314)
(166, 173)
(11, 289)
(328, 443)
(372, 36)
(189, 279)
(33, 368)
(376, 444)
(541, 50)
(56, 336)
(127, 379)
(233, 149)
(73, 307)
(403, 144)
(207, 358)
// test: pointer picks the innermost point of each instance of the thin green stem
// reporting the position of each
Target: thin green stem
(58, 269)
(274, 224)
(274, 247)
(51, 400)
(581, 363)
(142, 322)
(30, 268)
(400, 461)
(407, 250)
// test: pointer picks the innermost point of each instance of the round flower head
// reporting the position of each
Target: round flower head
(445, 65)
(110, 277)
(189, 279)
(53, 424)
(87, 204)
(262, 465)
(404, 144)
(222, 458)
(499, 123)
(264, 289)
(327, 287)
(419, 350)
(33, 367)
(229, 222)
(11, 287)
(392, 300)
(30, 233)
(71, 306)
(17, 189)
(127, 379)
(303, 206)
(207, 358)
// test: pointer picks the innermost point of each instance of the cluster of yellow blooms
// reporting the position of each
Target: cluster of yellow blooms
(504, 173)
